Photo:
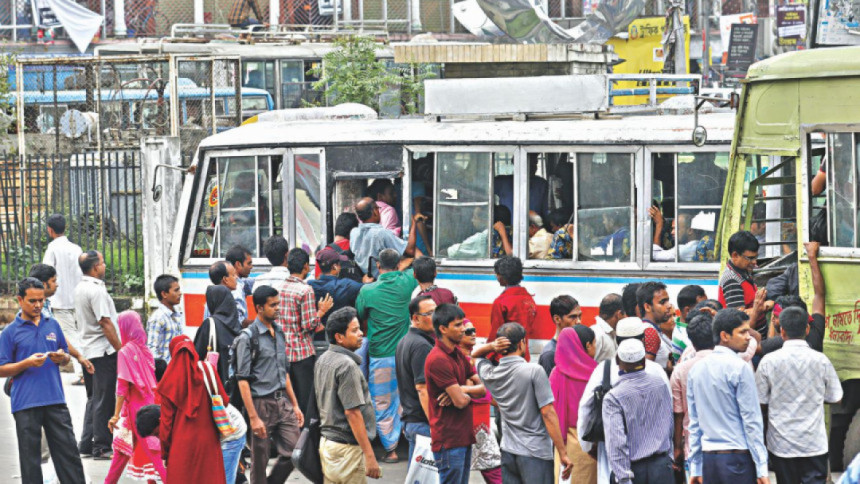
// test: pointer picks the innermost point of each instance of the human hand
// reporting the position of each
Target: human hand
(501, 344)
(58, 357)
(444, 400)
(500, 228)
(419, 217)
(112, 423)
(257, 427)
(567, 466)
(711, 311)
(299, 416)
(324, 305)
(36, 360)
(762, 480)
(86, 365)
(656, 215)
(696, 480)
(678, 461)
(367, 279)
(372, 469)
(759, 302)
(812, 249)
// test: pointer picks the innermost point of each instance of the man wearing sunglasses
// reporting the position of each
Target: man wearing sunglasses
(737, 287)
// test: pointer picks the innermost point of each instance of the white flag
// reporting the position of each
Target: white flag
(80, 23)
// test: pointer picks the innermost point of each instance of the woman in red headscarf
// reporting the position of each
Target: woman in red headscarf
(574, 363)
(190, 442)
(135, 388)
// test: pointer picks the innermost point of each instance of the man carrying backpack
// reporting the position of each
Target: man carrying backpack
(262, 372)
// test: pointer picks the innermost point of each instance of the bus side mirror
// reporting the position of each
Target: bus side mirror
(700, 136)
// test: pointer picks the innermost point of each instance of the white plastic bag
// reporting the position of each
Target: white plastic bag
(422, 469)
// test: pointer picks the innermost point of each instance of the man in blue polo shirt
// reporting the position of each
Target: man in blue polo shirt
(32, 349)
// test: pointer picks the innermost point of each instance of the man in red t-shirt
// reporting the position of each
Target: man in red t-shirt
(737, 287)
(447, 372)
(514, 304)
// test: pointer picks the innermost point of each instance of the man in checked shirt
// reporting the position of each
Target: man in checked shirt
(240, 14)
(299, 318)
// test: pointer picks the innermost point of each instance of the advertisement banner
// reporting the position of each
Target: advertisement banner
(838, 23)
(726, 22)
(791, 25)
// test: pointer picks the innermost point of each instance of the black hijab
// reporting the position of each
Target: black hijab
(222, 309)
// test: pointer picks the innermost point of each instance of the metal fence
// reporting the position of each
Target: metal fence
(100, 196)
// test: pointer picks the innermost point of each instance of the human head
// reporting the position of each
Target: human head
(557, 219)
(56, 225)
(794, 323)
(470, 335)
(298, 262)
(502, 214)
(167, 289)
(240, 258)
(160, 367)
(267, 303)
(782, 303)
(655, 305)
(535, 223)
(382, 190)
(92, 264)
(31, 298)
(342, 329)
(586, 337)
(148, 419)
(759, 213)
(344, 224)
(731, 329)
(631, 356)
(611, 309)
(565, 312)
(367, 211)
(682, 230)
(48, 276)
(509, 270)
(516, 334)
(743, 250)
(276, 248)
(628, 300)
(424, 269)
(700, 331)
(131, 328)
(421, 309)
(224, 274)
(629, 328)
(448, 323)
(688, 298)
(389, 260)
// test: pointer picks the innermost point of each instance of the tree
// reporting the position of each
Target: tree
(7, 104)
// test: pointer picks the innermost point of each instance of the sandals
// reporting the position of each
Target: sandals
(78, 382)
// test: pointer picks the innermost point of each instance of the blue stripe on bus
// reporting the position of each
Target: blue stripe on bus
(568, 279)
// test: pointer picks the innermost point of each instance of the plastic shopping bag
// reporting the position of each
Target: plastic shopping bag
(422, 469)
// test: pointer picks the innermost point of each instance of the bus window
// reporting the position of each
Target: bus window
(689, 207)
(254, 103)
(237, 205)
(422, 199)
(292, 83)
(260, 75)
(307, 202)
(550, 195)
(770, 207)
(604, 208)
(842, 153)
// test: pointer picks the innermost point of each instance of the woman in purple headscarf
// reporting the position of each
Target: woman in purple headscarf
(135, 388)
(574, 363)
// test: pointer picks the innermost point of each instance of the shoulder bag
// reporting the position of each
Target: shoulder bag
(594, 430)
(220, 414)
(306, 455)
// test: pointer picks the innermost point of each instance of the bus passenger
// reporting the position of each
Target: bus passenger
(615, 245)
(370, 238)
(382, 190)
(539, 238)
(561, 245)
(502, 233)
(475, 246)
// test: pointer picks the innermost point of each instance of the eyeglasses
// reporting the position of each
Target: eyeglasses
(427, 314)
(470, 331)
(751, 259)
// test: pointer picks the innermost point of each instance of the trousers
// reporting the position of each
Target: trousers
(519, 469)
(728, 469)
(101, 400)
(302, 379)
(283, 427)
(800, 470)
(57, 425)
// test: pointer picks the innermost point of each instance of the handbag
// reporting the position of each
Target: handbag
(423, 466)
(212, 347)
(219, 411)
(306, 455)
(122, 440)
(594, 430)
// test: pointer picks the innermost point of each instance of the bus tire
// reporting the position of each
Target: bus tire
(852, 441)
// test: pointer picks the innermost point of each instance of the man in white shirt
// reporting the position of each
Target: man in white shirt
(62, 255)
(275, 248)
(609, 313)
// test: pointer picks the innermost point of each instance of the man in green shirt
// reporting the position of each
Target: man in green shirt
(383, 307)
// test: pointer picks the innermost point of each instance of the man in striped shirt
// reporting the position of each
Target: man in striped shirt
(737, 287)
(637, 419)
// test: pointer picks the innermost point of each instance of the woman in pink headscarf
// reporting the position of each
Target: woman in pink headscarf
(135, 388)
(574, 363)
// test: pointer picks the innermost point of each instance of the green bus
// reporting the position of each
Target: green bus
(798, 121)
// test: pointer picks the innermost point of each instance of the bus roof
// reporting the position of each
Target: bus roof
(657, 129)
(306, 50)
(812, 63)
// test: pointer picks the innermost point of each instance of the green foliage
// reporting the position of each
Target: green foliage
(412, 79)
(7, 106)
(132, 282)
(19, 259)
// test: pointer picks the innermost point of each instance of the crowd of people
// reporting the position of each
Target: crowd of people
(651, 391)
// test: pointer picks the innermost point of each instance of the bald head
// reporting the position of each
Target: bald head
(367, 211)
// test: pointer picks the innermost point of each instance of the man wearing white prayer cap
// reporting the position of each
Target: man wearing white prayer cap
(638, 421)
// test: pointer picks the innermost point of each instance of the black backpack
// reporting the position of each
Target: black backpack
(232, 387)
(348, 269)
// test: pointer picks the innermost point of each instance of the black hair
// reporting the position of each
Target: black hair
(148, 419)
(415, 304)
(557, 217)
(707, 303)
(326, 266)
(791, 301)
(236, 254)
(364, 211)
(743, 241)
(344, 224)
(275, 248)
(29, 283)
(445, 314)
(162, 284)
(160, 368)
(726, 321)
(759, 212)
(510, 268)
(561, 305)
(338, 322)
(689, 295)
(585, 334)
(378, 186)
(424, 269)
(57, 223)
(628, 298)
(645, 294)
(502, 214)
(609, 305)
(217, 272)
(388, 259)
(700, 332)
(42, 272)
(514, 332)
(88, 260)
(794, 322)
(262, 294)
(296, 260)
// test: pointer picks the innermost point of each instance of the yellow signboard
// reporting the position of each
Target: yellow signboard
(642, 52)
